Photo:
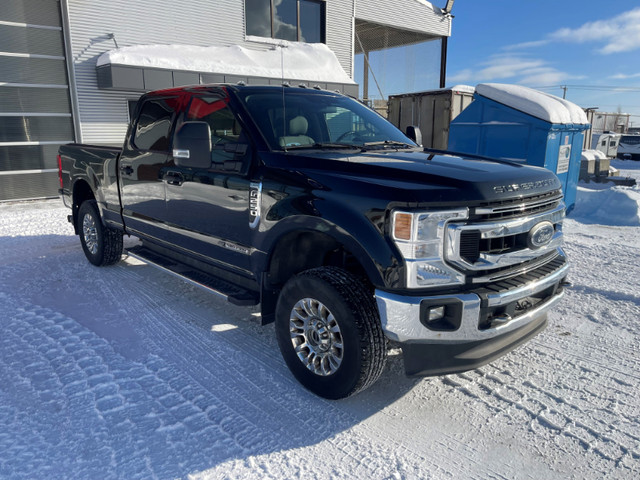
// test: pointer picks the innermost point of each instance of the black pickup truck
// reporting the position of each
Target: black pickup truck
(348, 234)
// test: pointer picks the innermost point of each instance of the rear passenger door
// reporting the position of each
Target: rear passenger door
(141, 164)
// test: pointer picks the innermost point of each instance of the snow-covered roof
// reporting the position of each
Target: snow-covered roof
(313, 62)
(462, 88)
(426, 4)
(593, 155)
(535, 103)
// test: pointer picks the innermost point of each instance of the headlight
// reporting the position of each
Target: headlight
(420, 238)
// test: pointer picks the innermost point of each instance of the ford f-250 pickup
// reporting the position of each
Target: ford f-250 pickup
(347, 233)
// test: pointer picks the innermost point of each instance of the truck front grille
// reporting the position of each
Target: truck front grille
(496, 236)
(519, 207)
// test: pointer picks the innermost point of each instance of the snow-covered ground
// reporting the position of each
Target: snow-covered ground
(125, 372)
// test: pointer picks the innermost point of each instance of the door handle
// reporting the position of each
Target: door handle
(127, 170)
(174, 178)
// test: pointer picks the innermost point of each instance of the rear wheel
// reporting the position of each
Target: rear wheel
(102, 245)
(329, 332)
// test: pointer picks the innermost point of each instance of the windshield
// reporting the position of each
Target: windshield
(314, 119)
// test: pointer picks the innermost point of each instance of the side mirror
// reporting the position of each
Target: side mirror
(414, 134)
(192, 145)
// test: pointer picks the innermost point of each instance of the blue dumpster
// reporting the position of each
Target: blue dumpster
(524, 125)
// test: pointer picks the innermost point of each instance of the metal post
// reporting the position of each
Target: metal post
(365, 79)
(443, 61)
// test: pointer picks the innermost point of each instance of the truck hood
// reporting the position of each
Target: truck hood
(418, 176)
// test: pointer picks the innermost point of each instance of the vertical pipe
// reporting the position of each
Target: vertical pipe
(443, 61)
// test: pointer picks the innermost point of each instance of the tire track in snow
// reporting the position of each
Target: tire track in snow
(124, 409)
(172, 327)
(544, 408)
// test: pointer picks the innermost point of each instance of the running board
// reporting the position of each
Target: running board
(233, 293)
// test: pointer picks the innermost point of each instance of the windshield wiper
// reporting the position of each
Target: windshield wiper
(320, 146)
(386, 143)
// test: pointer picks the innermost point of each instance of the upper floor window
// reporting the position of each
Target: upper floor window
(294, 20)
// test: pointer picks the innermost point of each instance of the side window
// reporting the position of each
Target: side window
(154, 123)
(222, 123)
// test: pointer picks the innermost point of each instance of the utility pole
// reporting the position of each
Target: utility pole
(564, 91)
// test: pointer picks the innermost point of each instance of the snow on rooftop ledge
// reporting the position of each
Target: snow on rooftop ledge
(535, 103)
(426, 4)
(313, 62)
(463, 88)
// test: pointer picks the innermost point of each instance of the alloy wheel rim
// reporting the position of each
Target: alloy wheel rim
(90, 233)
(316, 337)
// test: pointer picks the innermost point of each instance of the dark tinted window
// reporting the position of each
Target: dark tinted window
(292, 20)
(285, 20)
(258, 17)
(311, 21)
(154, 123)
(630, 139)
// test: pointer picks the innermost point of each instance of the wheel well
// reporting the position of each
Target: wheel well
(300, 251)
(81, 193)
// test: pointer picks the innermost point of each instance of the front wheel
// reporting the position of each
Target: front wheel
(102, 245)
(329, 333)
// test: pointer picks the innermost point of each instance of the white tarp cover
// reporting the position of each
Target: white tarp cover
(538, 104)
(313, 62)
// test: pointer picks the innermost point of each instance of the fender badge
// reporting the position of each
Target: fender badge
(255, 194)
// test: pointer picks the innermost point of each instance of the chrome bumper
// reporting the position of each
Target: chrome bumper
(400, 315)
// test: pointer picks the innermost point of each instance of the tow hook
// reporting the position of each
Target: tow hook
(566, 284)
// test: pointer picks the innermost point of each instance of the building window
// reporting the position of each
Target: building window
(294, 20)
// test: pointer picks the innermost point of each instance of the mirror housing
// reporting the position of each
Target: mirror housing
(192, 145)
(414, 133)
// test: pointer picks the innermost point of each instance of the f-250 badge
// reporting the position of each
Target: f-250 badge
(255, 198)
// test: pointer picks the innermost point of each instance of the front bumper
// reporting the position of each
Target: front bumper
(484, 325)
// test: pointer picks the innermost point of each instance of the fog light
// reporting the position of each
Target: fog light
(435, 313)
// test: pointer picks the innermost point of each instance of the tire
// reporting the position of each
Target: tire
(102, 245)
(329, 333)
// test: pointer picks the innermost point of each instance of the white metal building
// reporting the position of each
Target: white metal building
(51, 91)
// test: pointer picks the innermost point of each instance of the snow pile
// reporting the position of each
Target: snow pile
(538, 104)
(607, 206)
(302, 61)
(593, 155)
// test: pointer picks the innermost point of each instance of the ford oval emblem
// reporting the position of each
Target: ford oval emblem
(540, 235)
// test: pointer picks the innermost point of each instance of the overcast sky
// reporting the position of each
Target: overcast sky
(587, 45)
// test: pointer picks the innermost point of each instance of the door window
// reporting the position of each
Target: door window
(223, 125)
(154, 124)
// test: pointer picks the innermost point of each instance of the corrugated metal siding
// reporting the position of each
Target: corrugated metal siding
(103, 114)
(404, 14)
(35, 109)
(340, 32)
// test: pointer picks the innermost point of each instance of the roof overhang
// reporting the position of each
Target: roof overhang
(152, 67)
(374, 36)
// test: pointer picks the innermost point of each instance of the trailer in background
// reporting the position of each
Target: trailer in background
(629, 147)
(606, 143)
